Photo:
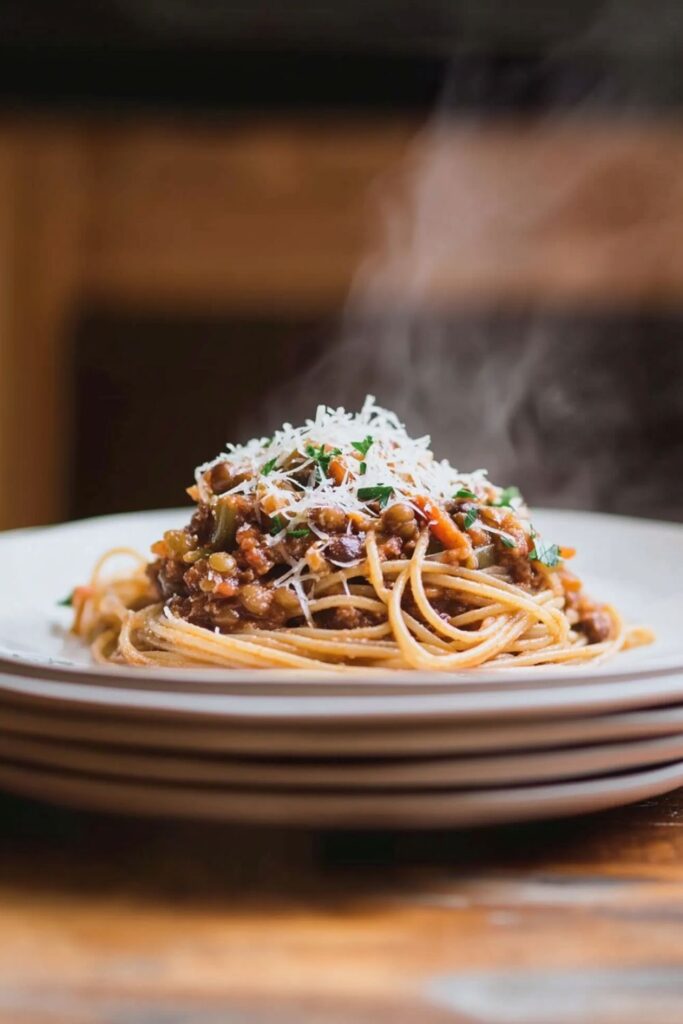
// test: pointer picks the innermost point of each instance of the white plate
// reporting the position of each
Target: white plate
(572, 699)
(443, 809)
(397, 774)
(628, 561)
(337, 740)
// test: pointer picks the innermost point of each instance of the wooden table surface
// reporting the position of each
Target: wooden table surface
(122, 921)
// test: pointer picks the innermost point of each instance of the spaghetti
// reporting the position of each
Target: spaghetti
(344, 545)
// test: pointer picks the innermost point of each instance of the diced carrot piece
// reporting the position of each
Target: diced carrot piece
(226, 589)
(443, 527)
(570, 581)
(566, 553)
(337, 471)
(271, 503)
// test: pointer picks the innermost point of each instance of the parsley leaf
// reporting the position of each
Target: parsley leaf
(470, 517)
(381, 493)
(464, 492)
(322, 458)
(67, 602)
(302, 532)
(269, 467)
(278, 525)
(508, 541)
(363, 468)
(549, 556)
(363, 446)
(506, 497)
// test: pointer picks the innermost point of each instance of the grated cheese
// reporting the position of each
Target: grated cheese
(394, 460)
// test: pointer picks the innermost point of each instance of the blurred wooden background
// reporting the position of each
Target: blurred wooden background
(274, 215)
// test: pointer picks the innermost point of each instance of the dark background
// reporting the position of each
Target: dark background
(218, 55)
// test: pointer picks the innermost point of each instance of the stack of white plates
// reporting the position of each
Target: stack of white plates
(401, 749)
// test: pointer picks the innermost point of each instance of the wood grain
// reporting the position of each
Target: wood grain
(285, 214)
(113, 919)
(241, 215)
(42, 197)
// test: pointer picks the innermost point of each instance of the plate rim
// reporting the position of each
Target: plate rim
(646, 691)
(276, 740)
(473, 770)
(445, 809)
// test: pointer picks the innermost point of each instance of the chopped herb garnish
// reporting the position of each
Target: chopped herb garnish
(470, 517)
(322, 458)
(363, 468)
(508, 541)
(506, 497)
(269, 467)
(549, 556)
(67, 602)
(278, 525)
(381, 493)
(303, 532)
(464, 492)
(363, 446)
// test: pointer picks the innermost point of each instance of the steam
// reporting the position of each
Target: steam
(460, 318)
